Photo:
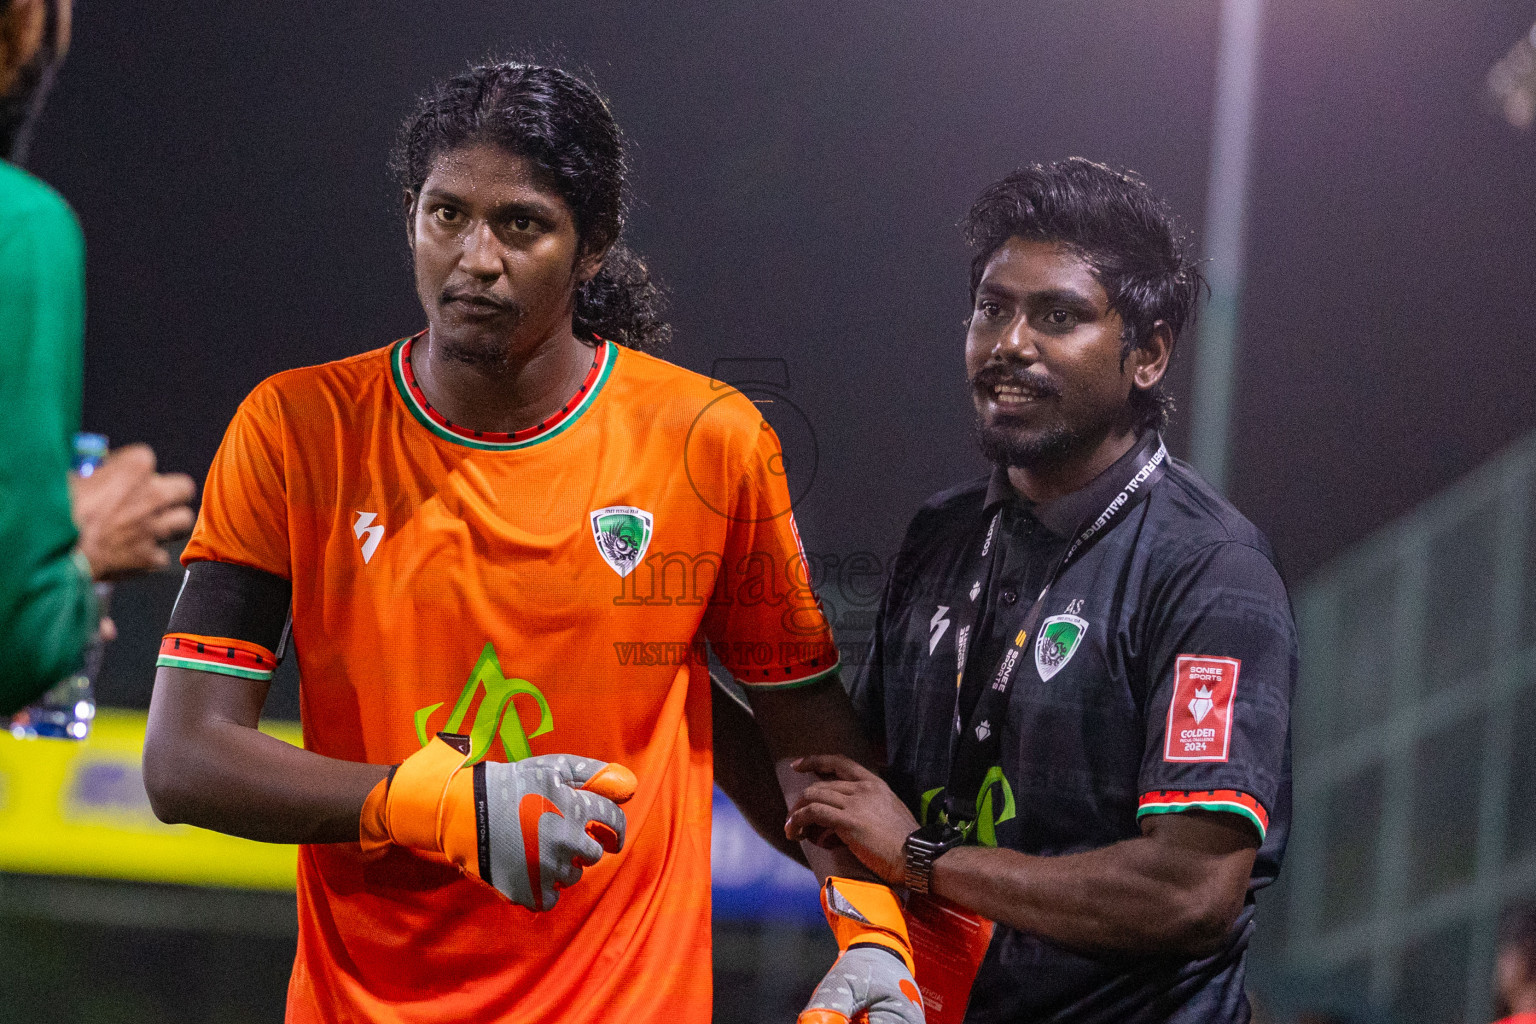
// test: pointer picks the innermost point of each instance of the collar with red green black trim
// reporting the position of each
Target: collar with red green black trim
(603, 358)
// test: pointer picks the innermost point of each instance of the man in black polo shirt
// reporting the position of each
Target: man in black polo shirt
(1082, 669)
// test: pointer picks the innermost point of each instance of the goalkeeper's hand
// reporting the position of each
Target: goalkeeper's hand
(872, 979)
(527, 829)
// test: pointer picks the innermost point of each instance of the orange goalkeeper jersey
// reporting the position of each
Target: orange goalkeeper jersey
(547, 591)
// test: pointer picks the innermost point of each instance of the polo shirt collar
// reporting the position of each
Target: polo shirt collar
(1066, 514)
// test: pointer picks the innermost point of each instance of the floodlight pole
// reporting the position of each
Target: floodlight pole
(1226, 210)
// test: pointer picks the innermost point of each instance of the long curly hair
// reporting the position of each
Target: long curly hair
(564, 127)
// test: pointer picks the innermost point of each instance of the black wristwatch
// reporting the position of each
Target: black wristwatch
(925, 846)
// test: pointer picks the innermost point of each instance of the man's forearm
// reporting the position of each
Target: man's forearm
(245, 783)
(215, 770)
(1132, 896)
(816, 719)
(744, 770)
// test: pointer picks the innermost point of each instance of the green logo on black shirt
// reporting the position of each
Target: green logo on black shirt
(994, 805)
(1059, 638)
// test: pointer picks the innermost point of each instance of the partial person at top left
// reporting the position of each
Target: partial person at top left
(59, 533)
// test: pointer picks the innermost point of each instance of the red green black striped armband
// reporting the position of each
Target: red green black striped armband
(229, 619)
(218, 654)
(1229, 801)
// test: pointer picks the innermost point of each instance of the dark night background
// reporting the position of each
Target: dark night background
(799, 171)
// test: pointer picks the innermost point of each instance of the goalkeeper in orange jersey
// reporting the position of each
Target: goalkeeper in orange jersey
(455, 535)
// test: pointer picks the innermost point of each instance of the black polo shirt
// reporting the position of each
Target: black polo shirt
(1160, 680)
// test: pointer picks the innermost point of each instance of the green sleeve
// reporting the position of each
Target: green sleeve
(47, 605)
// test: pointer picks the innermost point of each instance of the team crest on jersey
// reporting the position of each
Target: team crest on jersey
(1060, 637)
(622, 534)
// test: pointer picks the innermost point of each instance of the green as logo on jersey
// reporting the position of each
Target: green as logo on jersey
(622, 534)
(497, 712)
(1058, 639)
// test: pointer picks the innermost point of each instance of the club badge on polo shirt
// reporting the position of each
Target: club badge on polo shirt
(622, 533)
(1059, 638)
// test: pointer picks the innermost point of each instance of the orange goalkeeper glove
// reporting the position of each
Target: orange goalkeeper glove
(527, 829)
(872, 980)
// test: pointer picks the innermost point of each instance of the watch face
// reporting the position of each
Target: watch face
(938, 836)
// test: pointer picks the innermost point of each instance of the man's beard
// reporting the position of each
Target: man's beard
(487, 350)
(20, 108)
(1002, 447)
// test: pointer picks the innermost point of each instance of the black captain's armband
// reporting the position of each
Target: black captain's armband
(229, 619)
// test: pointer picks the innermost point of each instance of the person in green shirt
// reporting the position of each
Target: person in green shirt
(59, 534)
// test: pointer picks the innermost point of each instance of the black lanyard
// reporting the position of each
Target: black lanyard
(976, 749)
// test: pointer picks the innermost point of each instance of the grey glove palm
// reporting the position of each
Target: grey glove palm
(527, 829)
(865, 979)
(544, 829)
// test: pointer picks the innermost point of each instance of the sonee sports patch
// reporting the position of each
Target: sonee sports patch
(1200, 715)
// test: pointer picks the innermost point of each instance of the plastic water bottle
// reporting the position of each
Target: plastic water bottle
(65, 712)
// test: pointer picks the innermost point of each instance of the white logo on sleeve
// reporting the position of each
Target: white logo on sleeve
(369, 534)
(937, 627)
(1200, 704)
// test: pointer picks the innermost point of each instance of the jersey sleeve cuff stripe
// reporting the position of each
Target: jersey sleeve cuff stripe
(1229, 801)
(220, 655)
(816, 676)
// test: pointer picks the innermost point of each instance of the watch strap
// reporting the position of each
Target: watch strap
(925, 846)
